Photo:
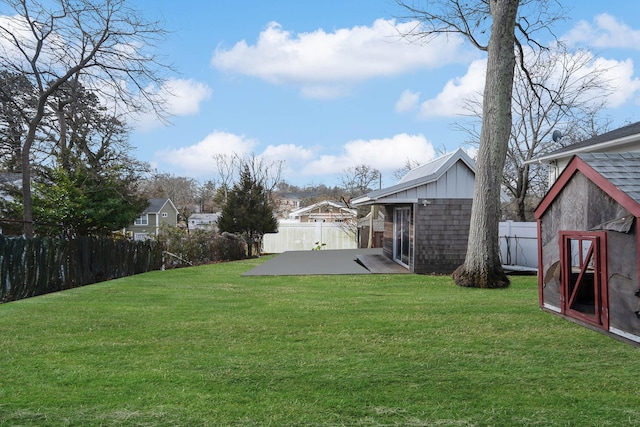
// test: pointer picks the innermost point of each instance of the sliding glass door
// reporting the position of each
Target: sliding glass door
(401, 232)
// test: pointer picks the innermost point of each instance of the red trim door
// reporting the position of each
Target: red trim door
(584, 276)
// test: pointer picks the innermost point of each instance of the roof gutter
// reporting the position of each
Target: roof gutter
(589, 148)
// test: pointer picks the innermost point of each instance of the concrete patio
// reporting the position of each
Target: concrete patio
(344, 261)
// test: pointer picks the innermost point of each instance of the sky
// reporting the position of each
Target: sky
(328, 85)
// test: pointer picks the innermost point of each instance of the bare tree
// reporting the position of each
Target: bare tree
(360, 179)
(268, 174)
(206, 195)
(16, 97)
(497, 20)
(103, 44)
(182, 191)
(573, 96)
(229, 168)
(226, 168)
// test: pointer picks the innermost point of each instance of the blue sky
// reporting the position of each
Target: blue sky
(326, 85)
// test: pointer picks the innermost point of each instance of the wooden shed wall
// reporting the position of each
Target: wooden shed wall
(580, 206)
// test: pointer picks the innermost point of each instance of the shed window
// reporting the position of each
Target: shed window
(164, 214)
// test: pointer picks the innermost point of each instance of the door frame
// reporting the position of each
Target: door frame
(591, 262)
(397, 255)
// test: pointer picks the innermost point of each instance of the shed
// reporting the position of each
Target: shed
(588, 243)
(427, 214)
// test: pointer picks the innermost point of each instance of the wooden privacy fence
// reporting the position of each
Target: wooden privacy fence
(36, 266)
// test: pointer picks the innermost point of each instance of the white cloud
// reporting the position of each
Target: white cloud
(181, 98)
(606, 33)
(620, 74)
(408, 101)
(294, 157)
(451, 100)
(198, 159)
(388, 154)
(185, 96)
(454, 98)
(287, 152)
(324, 64)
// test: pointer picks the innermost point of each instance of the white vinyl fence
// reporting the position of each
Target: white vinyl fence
(518, 240)
(305, 236)
(519, 244)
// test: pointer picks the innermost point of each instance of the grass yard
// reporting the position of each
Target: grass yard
(206, 346)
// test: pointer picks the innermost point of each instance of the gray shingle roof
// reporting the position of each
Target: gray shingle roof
(155, 205)
(621, 169)
(632, 129)
(615, 138)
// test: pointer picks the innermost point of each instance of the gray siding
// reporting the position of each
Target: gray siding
(442, 231)
(439, 234)
(456, 183)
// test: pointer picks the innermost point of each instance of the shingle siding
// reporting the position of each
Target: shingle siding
(442, 231)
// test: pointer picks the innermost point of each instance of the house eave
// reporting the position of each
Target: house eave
(547, 159)
(391, 201)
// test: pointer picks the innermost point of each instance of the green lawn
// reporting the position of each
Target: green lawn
(206, 346)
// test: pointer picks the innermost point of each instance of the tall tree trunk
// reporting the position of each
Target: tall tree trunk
(522, 186)
(63, 146)
(27, 210)
(482, 267)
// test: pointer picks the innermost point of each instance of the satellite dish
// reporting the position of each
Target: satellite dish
(556, 135)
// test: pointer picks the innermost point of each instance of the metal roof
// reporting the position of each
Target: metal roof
(421, 175)
(620, 169)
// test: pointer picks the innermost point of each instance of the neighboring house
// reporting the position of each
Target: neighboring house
(624, 139)
(159, 212)
(325, 211)
(204, 221)
(588, 238)
(324, 225)
(427, 214)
